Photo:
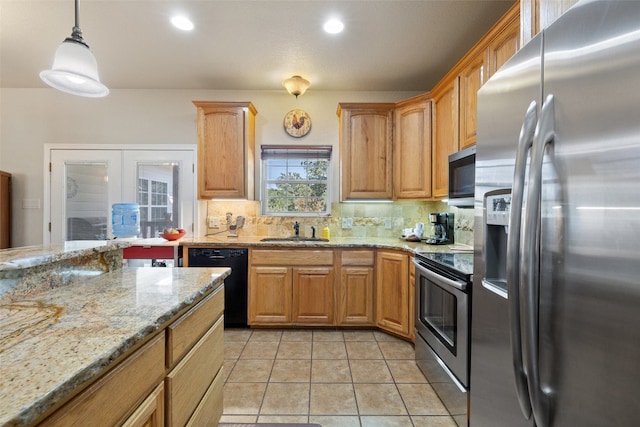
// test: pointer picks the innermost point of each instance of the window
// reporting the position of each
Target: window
(295, 180)
(153, 198)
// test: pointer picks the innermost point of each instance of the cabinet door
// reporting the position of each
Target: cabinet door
(150, 413)
(313, 295)
(412, 300)
(412, 151)
(536, 15)
(366, 135)
(392, 292)
(225, 150)
(472, 78)
(270, 295)
(505, 45)
(355, 296)
(445, 132)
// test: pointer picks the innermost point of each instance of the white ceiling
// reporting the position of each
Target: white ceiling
(387, 45)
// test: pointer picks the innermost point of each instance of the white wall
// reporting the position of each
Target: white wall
(33, 117)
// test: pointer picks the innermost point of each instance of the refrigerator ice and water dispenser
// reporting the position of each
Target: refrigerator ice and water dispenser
(497, 205)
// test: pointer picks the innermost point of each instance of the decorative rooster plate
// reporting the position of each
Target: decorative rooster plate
(297, 123)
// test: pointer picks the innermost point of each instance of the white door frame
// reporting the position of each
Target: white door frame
(49, 148)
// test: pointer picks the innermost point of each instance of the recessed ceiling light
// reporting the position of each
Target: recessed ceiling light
(182, 22)
(333, 26)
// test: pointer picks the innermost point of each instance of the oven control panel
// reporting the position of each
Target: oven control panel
(498, 208)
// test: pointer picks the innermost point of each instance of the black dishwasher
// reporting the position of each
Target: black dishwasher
(235, 286)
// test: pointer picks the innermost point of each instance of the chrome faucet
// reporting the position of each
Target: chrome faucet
(313, 232)
(296, 228)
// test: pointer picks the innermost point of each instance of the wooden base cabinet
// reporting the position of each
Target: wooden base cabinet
(313, 295)
(392, 292)
(291, 287)
(355, 288)
(138, 392)
(121, 395)
(270, 294)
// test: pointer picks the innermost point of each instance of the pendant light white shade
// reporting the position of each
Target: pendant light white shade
(75, 71)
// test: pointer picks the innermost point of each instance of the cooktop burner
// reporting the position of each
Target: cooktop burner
(460, 263)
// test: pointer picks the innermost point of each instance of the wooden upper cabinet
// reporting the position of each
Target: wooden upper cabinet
(472, 77)
(445, 133)
(226, 149)
(536, 15)
(507, 40)
(412, 149)
(366, 137)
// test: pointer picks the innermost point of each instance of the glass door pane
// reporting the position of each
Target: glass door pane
(84, 185)
(87, 203)
(163, 184)
(439, 312)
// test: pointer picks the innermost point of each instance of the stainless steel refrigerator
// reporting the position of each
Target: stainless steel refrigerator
(556, 291)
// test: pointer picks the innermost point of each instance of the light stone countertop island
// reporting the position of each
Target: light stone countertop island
(68, 313)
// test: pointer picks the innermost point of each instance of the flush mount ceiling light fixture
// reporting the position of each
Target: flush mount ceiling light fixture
(296, 85)
(183, 23)
(75, 69)
(333, 26)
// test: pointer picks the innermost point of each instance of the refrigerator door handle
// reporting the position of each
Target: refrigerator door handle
(525, 142)
(544, 136)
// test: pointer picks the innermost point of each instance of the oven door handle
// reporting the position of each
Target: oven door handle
(440, 280)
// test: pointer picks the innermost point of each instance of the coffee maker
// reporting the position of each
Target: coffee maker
(442, 229)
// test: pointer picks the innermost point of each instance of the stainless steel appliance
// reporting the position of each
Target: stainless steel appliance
(442, 228)
(462, 175)
(443, 282)
(556, 294)
(235, 286)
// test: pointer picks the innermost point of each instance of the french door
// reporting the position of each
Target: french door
(85, 182)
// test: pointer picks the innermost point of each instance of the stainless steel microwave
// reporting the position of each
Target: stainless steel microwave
(462, 177)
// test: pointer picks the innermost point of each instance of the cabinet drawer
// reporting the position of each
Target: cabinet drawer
(209, 410)
(188, 382)
(112, 398)
(306, 257)
(187, 330)
(357, 258)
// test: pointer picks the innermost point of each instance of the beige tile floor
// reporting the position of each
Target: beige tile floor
(329, 377)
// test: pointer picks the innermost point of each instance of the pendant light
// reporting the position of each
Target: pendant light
(75, 69)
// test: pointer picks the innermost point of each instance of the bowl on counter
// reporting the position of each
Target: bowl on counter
(173, 236)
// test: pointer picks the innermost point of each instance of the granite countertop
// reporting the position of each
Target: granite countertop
(31, 256)
(222, 240)
(59, 339)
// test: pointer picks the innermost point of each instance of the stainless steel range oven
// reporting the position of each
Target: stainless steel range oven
(443, 330)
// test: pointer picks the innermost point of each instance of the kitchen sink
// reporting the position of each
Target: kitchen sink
(293, 239)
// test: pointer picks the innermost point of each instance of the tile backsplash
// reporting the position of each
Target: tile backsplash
(369, 219)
